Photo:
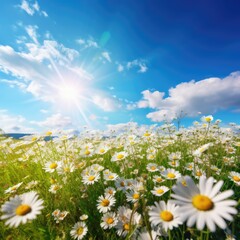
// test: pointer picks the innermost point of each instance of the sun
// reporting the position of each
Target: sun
(69, 93)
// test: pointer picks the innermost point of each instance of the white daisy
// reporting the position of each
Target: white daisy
(204, 204)
(152, 167)
(21, 208)
(133, 196)
(52, 166)
(110, 191)
(109, 220)
(13, 188)
(165, 214)
(159, 191)
(79, 230)
(171, 174)
(91, 178)
(118, 156)
(158, 179)
(105, 203)
(235, 177)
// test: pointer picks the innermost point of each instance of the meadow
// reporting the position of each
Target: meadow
(154, 183)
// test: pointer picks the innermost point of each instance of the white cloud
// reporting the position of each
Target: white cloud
(32, 32)
(56, 121)
(87, 43)
(32, 8)
(106, 55)
(137, 63)
(108, 104)
(206, 96)
(120, 68)
(13, 123)
(44, 111)
(151, 99)
(14, 83)
(27, 8)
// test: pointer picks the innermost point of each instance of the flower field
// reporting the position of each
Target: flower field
(155, 182)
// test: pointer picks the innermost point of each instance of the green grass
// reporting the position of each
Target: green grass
(78, 198)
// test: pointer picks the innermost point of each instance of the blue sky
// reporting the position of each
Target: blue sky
(68, 64)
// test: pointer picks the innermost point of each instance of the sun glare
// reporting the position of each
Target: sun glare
(69, 93)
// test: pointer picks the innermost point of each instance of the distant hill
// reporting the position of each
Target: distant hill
(16, 135)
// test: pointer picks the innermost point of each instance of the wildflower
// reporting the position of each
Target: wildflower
(174, 156)
(158, 179)
(111, 176)
(207, 119)
(235, 177)
(118, 156)
(21, 208)
(105, 203)
(159, 191)
(133, 196)
(171, 174)
(54, 188)
(110, 191)
(204, 205)
(13, 188)
(79, 230)
(165, 214)
(152, 167)
(102, 149)
(91, 178)
(52, 166)
(109, 220)
(84, 217)
(202, 149)
(126, 218)
(31, 184)
(58, 215)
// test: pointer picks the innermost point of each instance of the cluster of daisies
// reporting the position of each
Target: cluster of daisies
(144, 183)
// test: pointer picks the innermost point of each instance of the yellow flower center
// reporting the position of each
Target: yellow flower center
(120, 156)
(208, 119)
(153, 168)
(111, 177)
(56, 187)
(102, 150)
(126, 227)
(159, 179)
(166, 216)
(160, 191)
(198, 173)
(80, 231)
(110, 192)
(122, 184)
(53, 165)
(87, 152)
(66, 169)
(147, 134)
(23, 210)
(34, 139)
(105, 202)
(173, 163)
(135, 196)
(91, 178)
(110, 220)
(236, 178)
(184, 183)
(171, 175)
(202, 203)
(49, 133)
